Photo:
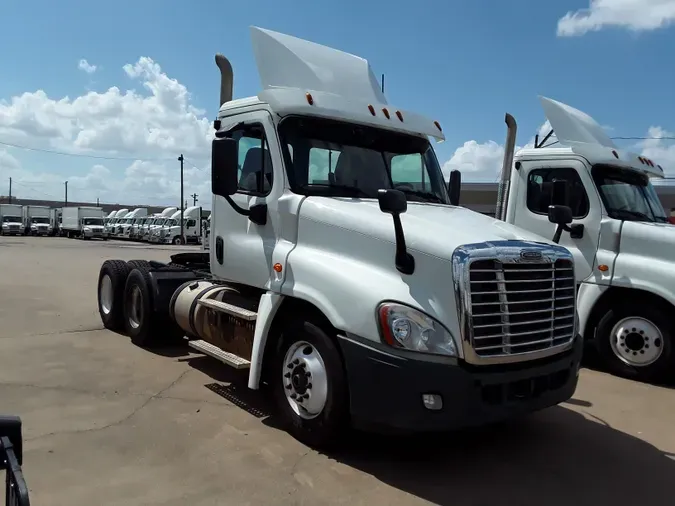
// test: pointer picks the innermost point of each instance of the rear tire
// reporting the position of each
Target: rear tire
(308, 365)
(637, 342)
(139, 264)
(111, 280)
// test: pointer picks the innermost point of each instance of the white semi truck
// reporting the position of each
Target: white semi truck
(36, 220)
(11, 219)
(83, 222)
(125, 226)
(357, 297)
(170, 233)
(157, 222)
(111, 226)
(618, 232)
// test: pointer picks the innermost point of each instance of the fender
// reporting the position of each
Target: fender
(267, 310)
(587, 297)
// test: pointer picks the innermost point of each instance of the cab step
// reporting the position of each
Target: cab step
(213, 351)
(231, 309)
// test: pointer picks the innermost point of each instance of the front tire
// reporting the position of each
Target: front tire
(111, 280)
(637, 342)
(310, 386)
(178, 240)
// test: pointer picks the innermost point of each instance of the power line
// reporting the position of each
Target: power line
(666, 138)
(82, 155)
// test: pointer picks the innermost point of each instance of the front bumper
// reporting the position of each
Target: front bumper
(386, 387)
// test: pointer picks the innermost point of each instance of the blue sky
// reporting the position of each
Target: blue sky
(464, 63)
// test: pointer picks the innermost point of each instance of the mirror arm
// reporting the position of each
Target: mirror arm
(558, 232)
(257, 213)
(235, 206)
(405, 262)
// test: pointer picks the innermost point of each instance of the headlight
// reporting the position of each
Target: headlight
(410, 329)
(87, 229)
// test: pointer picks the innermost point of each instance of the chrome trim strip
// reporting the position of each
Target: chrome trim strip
(506, 252)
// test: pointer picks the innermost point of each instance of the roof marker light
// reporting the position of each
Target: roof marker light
(616, 155)
(371, 109)
(399, 115)
(310, 99)
(438, 125)
(386, 112)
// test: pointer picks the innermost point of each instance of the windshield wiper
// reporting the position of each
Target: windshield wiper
(633, 214)
(423, 195)
(354, 190)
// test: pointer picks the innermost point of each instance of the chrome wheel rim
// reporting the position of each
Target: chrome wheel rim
(637, 341)
(106, 294)
(305, 380)
(135, 307)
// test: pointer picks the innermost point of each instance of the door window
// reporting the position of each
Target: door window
(540, 191)
(255, 163)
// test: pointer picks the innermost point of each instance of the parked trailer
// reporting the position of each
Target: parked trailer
(83, 222)
(415, 325)
(36, 220)
(11, 219)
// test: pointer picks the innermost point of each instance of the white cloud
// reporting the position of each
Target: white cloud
(660, 150)
(86, 66)
(635, 15)
(154, 126)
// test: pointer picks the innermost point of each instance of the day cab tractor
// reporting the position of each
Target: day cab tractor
(341, 274)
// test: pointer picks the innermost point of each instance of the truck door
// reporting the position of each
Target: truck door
(242, 250)
(534, 195)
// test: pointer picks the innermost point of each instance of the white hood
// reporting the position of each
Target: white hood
(429, 228)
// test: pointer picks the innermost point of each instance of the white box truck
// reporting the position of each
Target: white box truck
(36, 220)
(83, 222)
(11, 219)
(353, 292)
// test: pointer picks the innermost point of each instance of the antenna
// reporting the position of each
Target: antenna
(383, 84)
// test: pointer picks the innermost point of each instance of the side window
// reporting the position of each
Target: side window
(540, 191)
(409, 170)
(191, 223)
(321, 165)
(255, 164)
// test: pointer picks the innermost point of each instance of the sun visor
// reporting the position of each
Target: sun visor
(572, 126)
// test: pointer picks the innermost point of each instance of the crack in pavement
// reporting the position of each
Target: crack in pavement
(57, 332)
(117, 422)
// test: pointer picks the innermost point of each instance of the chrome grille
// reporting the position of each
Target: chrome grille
(518, 308)
(516, 300)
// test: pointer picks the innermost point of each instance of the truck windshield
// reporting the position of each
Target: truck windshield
(11, 219)
(39, 219)
(158, 222)
(93, 221)
(628, 195)
(338, 159)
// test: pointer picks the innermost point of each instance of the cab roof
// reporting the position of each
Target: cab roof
(302, 77)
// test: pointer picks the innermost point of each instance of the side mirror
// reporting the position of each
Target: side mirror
(394, 202)
(10, 428)
(560, 215)
(455, 187)
(224, 171)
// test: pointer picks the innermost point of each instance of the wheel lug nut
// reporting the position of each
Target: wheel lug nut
(287, 375)
(296, 361)
(309, 385)
(308, 374)
(290, 366)
(293, 396)
(288, 387)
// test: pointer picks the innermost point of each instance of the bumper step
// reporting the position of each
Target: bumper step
(213, 351)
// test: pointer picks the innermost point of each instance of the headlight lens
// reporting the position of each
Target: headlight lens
(408, 328)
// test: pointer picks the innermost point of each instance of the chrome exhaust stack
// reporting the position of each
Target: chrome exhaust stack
(505, 179)
(226, 78)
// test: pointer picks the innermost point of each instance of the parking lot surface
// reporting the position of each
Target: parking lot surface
(106, 422)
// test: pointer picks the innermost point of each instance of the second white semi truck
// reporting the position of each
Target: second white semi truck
(618, 231)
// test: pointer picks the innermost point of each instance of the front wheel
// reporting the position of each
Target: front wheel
(310, 385)
(177, 240)
(637, 342)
